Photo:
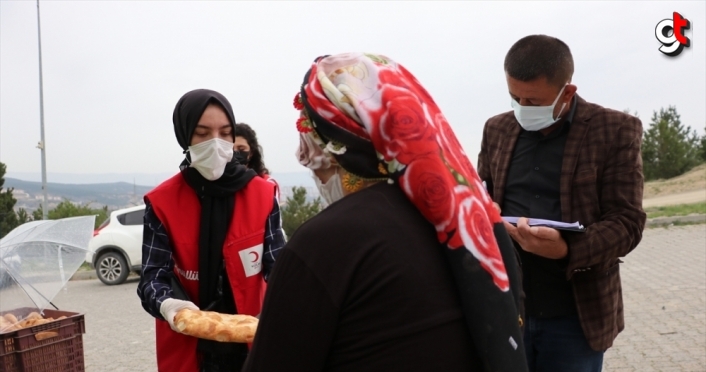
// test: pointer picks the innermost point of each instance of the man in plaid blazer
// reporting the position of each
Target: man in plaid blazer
(558, 157)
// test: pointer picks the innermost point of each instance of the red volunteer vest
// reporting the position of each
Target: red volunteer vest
(178, 208)
(271, 180)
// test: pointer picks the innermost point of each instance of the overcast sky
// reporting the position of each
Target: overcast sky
(113, 71)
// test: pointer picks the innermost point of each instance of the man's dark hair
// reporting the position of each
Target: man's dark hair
(535, 56)
(256, 162)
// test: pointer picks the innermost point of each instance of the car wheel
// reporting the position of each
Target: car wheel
(112, 268)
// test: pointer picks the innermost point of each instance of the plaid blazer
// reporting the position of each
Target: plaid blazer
(601, 187)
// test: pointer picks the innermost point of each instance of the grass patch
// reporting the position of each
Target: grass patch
(687, 223)
(676, 210)
(676, 223)
(85, 266)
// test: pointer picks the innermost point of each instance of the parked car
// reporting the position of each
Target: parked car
(116, 247)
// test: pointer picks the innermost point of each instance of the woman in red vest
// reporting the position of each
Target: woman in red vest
(249, 153)
(211, 236)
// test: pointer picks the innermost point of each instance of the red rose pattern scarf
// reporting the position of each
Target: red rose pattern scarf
(372, 98)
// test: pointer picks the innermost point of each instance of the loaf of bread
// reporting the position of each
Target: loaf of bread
(45, 335)
(216, 326)
(11, 318)
(5, 325)
(9, 321)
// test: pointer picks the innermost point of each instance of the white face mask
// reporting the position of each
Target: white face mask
(332, 190)
(210, 157)
(534, 118)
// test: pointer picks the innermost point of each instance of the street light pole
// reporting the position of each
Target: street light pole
(42, 143)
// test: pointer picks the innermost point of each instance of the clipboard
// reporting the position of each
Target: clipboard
(558, 225)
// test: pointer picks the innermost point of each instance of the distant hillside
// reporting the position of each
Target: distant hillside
(285, 179)
(114, 195)
(145, 179)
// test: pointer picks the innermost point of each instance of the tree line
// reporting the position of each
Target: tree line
(9, 218)
(669, 149)
(295, 211)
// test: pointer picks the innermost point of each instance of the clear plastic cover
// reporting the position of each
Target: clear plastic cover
(37, 259)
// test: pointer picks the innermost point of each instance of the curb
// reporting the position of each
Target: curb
(91, 274)
(84, 275)
(661, 221)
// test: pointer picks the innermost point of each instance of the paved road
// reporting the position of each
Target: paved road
(119, 333)
(664, 292)
(664, 289)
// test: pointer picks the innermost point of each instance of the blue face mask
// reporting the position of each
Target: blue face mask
(534, 118)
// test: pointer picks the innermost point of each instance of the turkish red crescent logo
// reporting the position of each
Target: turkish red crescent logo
(257, 256)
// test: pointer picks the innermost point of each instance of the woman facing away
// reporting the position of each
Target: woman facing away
(409, 267)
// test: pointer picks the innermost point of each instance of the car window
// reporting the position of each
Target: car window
(135, 218)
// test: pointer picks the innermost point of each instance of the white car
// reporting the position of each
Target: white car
(116, 247)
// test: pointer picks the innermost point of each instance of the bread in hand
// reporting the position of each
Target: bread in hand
(216, 326)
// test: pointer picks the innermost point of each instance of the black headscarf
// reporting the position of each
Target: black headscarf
(189, 109)
(217, 200)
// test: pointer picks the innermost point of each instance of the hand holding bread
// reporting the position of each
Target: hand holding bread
(171, 306)
(216, 326)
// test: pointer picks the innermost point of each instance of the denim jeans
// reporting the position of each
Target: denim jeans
(559, 345)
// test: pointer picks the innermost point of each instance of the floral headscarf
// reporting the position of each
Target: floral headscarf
(310, 152)
(378, 122)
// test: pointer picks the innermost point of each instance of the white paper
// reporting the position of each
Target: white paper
(547, 223)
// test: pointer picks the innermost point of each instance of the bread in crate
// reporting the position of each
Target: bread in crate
(9, 323)
(49, 343)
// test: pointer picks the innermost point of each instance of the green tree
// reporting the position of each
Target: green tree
(8, 218)
(668, 148)
(68, 209)
(38, 214)
(297, 210)
(23, 216)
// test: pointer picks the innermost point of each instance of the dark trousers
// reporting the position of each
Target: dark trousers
(224, 363)
(559, 345)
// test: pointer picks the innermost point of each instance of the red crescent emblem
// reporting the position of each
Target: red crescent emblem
(257, 256)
